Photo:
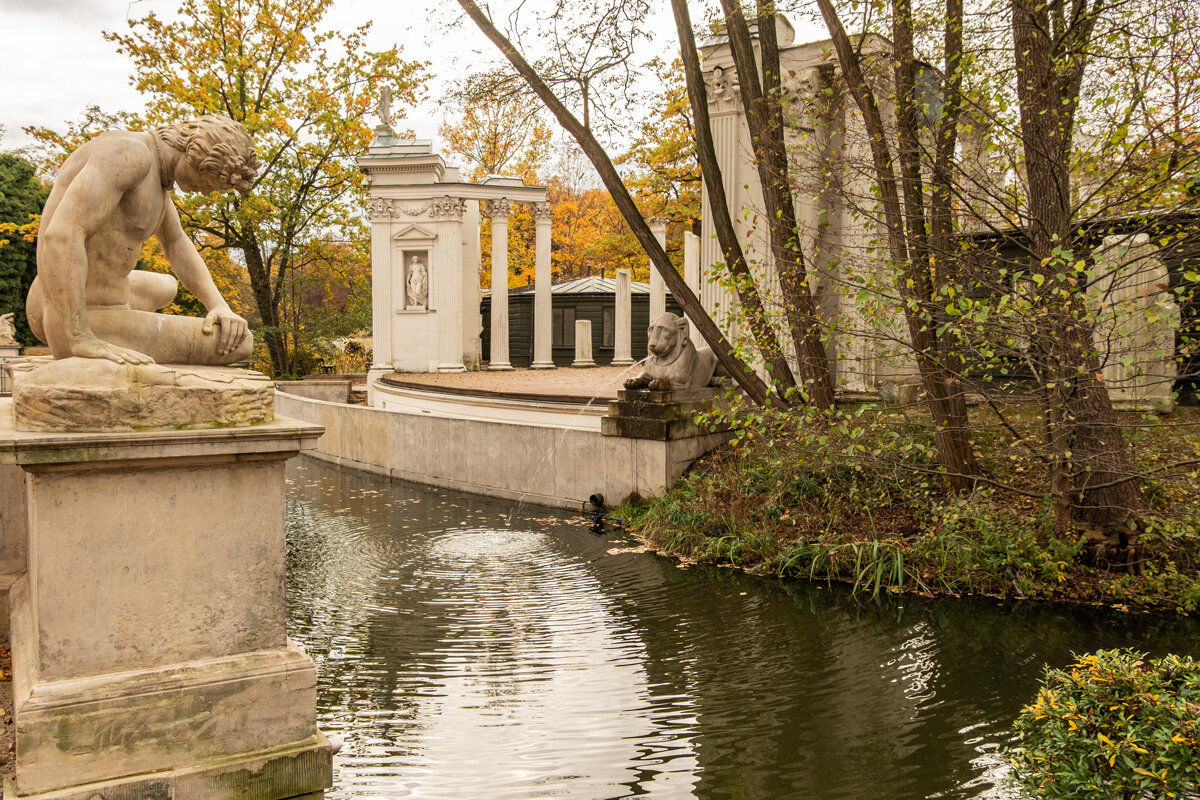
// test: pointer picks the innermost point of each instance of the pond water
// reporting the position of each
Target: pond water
(471, 648)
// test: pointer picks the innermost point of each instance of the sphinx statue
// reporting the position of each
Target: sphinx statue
(674, 362)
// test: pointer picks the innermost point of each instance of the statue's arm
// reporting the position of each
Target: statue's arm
(92, 196)
(193, 273)
(185, 261)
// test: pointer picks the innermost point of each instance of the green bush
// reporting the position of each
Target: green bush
(1112, 725)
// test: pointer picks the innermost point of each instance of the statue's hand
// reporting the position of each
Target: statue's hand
(93, 347)
(233, 329)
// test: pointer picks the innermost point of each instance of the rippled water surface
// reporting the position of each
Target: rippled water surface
(470, 649)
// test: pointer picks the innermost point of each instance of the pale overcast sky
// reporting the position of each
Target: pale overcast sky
(55, 61)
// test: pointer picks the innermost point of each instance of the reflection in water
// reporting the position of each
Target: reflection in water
(463, 657)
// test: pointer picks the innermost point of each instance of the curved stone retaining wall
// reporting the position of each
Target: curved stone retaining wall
(546, 453)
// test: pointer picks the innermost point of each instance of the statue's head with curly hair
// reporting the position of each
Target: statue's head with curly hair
(217, 146)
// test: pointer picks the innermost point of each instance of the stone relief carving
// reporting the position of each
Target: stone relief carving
(448, 207)
(723, 91)
(674, 363)
(382, 208)
(385, 112)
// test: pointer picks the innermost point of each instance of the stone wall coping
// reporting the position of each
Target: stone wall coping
(282, 438)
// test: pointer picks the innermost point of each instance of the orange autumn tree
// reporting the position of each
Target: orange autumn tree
(304, 93)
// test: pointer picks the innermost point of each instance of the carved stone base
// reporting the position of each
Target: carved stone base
(205, 730)
(90, 394)
(149, 646)
(655, 433)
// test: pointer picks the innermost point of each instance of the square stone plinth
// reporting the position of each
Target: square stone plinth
(655, 437)
(150, 652)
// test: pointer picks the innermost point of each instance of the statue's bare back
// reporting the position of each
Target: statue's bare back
(111, 195)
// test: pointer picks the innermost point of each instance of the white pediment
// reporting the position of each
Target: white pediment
(411, 232)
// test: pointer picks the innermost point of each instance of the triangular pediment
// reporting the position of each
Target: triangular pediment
(414, 232)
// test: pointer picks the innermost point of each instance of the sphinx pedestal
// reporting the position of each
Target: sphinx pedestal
(150, 654)
(655, 433)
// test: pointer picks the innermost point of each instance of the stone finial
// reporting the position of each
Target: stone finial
(384, 108)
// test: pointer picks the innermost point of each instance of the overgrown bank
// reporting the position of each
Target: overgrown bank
(848, 502)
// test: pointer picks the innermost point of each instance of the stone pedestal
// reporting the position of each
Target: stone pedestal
(656, 432)
(150, 654)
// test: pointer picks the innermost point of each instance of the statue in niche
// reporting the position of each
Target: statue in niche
(8, 331)
(112, 194)
(418, 283)
(674, 363)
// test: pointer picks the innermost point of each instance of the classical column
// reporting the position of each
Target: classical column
(623, 321)
(583, 344)
(448, 301)
(691, 273)
(382, 313)
(499, 210)
(658, 287)
(542, 354)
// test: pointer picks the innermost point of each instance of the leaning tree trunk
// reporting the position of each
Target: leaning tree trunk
(1092, 459)
(745, 377)
(764, 119)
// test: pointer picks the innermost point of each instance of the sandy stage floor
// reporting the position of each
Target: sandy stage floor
(564, 382)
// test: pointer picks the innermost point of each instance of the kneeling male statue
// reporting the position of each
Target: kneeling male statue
(674, 363)
(111, 195)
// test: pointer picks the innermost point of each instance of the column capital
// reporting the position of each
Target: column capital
(659, 223)
(448, 207)
(379, 208)
(542, 212)
(497, 208)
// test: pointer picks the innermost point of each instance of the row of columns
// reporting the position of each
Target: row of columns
(499, 212)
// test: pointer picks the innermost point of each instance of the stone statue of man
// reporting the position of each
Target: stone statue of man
(112, 194)
(8, 331)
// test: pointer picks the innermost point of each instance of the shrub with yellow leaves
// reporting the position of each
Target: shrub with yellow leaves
(1114, 724)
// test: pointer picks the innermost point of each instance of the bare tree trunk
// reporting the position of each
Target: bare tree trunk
(764, 118)
(266, 302)
(710, 171)
(944, 395)
(741, 373)
(1088, 444)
